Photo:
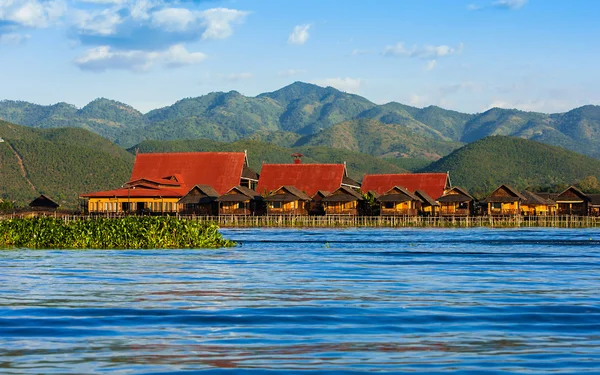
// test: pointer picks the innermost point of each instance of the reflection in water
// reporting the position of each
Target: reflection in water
(479, 300)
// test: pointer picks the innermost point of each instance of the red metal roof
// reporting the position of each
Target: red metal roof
(432, 183)
(138, 192)
(309, 178)
(221, 170)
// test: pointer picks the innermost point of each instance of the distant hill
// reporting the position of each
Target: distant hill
(483, 165)
(259, 152)
(379, 139)
(303, 113)
(61, 163)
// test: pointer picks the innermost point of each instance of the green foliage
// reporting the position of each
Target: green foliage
(102, 233)
(410, 164)
(589, 184)
(482, 166)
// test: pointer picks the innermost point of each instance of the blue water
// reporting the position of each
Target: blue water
(310, 301)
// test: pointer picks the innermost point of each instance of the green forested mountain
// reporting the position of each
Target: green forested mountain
(483, 165)
(259, 152)
(302, 113)
(379, 139)
(61, 163)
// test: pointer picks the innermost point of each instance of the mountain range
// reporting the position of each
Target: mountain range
(303, 114)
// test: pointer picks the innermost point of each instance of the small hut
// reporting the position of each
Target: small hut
(315, 206)
(535, 205)
(287, 200)
(572, 202)
(200, 200)
(456, 202)
(399, 201)
(240, 200)
(505, 200)
(343, 201)
(429, 207)
(594, 204)
(43, 202)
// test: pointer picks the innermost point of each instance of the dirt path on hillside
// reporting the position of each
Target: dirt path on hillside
(21, 166)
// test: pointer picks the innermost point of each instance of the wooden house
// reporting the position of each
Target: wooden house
(572, 201)
(399, 201)
(429, 207)
(43, 202)
(456, 202)
(200, 200)
(433, 184)
(594, 208)
(315, 206)
(309, 178)
(343, 201)
(504, 201)
(160, 180)
(240, 200)
(536, 205)
(287, 200)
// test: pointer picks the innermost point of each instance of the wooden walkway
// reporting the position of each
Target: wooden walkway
(345, 221)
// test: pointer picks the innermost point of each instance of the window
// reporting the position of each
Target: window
(276, 205)
(463, 205)
(496, 205)
(241, 205)
(389, 204)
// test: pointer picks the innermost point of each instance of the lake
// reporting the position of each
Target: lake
(480, 301)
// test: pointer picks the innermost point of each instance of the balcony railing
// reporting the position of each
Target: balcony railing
(399, 212)
(450, 211)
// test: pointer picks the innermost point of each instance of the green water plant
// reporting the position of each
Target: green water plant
(110, 233)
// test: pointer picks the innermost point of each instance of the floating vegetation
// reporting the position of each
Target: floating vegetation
(110, 233)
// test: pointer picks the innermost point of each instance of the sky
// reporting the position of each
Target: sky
(469, 56)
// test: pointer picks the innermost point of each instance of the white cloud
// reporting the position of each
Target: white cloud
(509, 4)
(423, 52)
(360, 52)
(13, 39)
(173, 19)
(291, 72)
(104, 22)
(219, 22)
(32, 13)
(299, 35)
(104, 57)
(237, 77)
(417, 100)
(351, 85)
(430, 65)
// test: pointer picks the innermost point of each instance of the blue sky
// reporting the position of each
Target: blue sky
(537, 55)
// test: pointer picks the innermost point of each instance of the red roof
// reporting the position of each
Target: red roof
(221, 170)
(432, 183)
(138, 192)
(309, 178)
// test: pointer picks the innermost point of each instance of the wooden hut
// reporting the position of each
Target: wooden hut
(43, 202)
(287, 200)
(434, 184)
(429, 207)
(399, 201)
(505, 200)
(315, 206)
(536, 205)
(240, 200)
(594, 208)
(200, 200)
(456, 202)
(343, 201)
(572, 201)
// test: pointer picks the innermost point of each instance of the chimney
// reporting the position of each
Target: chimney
(297, 158)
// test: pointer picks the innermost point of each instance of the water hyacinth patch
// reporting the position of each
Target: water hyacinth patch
(110, 233)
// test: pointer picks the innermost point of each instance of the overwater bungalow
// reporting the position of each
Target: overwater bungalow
(505, 200)
(200, 200)
(399, 201)
(160, 180)
(315, 206)
(287, 200)
(240, 200)
(429, 207)
(572, 201)
(456, 202)
(44, 202)
(343, 201)
(536, 205)
(433, 184)
(594, 204)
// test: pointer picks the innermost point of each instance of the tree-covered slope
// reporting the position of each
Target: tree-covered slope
(259, 152)
(379, 139)
(61, 163)
(483, 165)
